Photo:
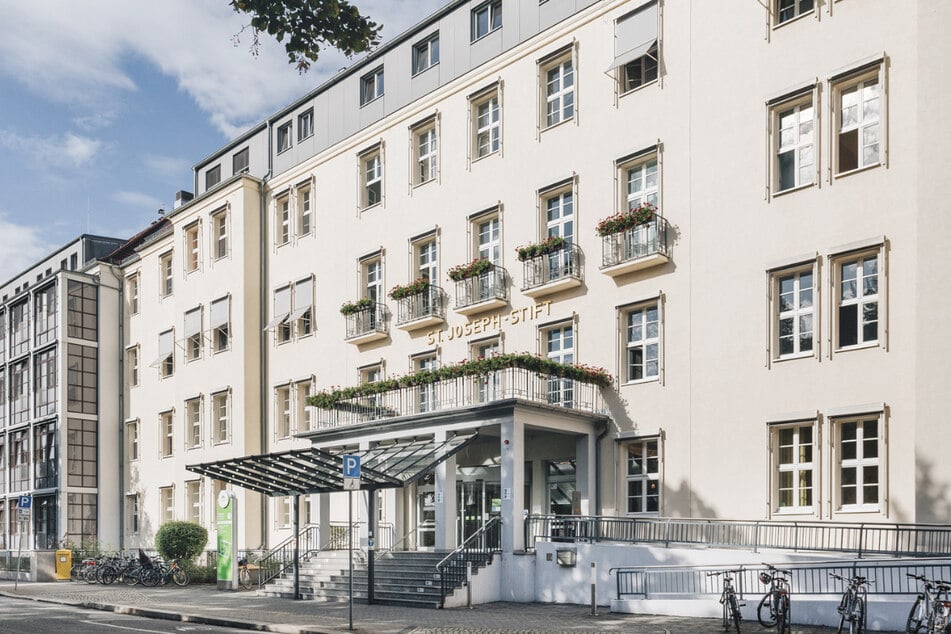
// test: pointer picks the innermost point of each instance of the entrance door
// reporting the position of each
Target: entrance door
(478, 502)
(426, 516)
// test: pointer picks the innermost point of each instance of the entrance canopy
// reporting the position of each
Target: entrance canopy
(300, 471)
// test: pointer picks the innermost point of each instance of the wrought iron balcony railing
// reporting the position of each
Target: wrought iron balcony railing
(367, 322)
(464, 391)
(648, 242)
(430, 303)
(564, 264)
(484, 287)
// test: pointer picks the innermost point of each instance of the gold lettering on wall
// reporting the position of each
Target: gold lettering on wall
(492, 323)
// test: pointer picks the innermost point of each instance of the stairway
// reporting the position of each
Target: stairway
(406, 578)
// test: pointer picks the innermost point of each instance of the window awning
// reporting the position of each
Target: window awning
(301, 471)
(629, 56)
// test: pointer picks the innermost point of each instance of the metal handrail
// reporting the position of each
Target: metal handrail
(283, 554)
(401, 540)
(450, 576)
(914, 540)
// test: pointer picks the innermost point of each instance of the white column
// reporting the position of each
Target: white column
(585, 471)
(539, 487)
(445, 500)
(513, 485)
(323, 517)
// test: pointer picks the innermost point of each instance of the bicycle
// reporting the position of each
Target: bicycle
(244, 574)
(173, 571)
(731, 607)
(931, 609)
(773, 608)
(854, 603)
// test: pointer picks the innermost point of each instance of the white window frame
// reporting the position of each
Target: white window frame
(221, 417)
(371, 271)
(638, 335)
(134, 518)
(219, 225)
(493, 19)
(167, 434)
(487, 124)
(795, 9)
(426, 259)
(166, 274)
(194, 425)
(167, 503)
(282, 220)
(220, 333)
(132, 363)
(558, 88)
(134, 289)
(862, 297)
(796, 466)
(305, 215)
(285, 137)
(873, 123)
(283, 412)
(640, 180)
(305, 125)
(427, 394)
(194, 503)
(794, 311)
(860, 462)
(193, 340)
(794, 135)
(487, 238)
(560, 391)
(283, 330)
(304, 414)
(302, 318)
(371, 86)
(636, 49)
(644, 476)
(426, 153)
(371, 178)
(133, 440)
(426, 54)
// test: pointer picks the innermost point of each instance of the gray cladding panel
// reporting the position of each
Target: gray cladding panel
(554, 11)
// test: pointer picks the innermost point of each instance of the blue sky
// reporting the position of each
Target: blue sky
(105, 105)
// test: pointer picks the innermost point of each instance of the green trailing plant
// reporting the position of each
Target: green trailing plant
(407, 290)
(643, 213)
(181, 540)
(330, 399)
(550, 245)
(471, 269)
(349, 308)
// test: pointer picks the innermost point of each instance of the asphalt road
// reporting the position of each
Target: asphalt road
(30, 617)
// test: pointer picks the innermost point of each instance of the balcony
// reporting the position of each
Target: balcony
(639, 247)
(462, 392)
(421, 310)
(367, 324)
(553, 272)
(481, 293)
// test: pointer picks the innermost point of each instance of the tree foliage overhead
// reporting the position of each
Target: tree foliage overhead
(305, 26)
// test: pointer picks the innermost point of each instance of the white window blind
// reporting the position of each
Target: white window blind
(165, 344)
(219, 312)
(193, 322)
(635, 34)
(282, 307)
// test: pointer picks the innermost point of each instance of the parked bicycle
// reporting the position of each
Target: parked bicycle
(773, 608)
(852, 607)
(731, 606)
(244, 573)
(931, 609)
(174, 571)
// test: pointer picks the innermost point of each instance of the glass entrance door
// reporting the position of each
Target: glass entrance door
(426, 514)
(478, 502)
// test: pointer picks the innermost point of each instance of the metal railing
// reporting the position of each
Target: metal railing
(281, 558)
(564, 263)
(477, 551)
(888, 577)
(649, 238)
(362, 322)
(482, 287)
(464, 391)
(912, 540)
(428, 303)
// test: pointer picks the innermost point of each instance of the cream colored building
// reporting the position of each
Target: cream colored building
(766, 331)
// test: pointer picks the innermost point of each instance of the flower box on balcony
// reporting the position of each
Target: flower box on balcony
(625, 220)
(551, 245)
(633, 240)
(471, 269)
(413, 288)
(349, 308)
(423, 308)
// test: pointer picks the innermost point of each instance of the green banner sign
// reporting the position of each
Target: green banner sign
(226, 540)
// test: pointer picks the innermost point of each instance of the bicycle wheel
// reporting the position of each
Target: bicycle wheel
(149, 577)
(726, 614)
(857, 626)
(916, 616)
(244, 578)
(783, 622)
(764, 613)
(108, 575)
(75, 571)
(131, 577)
(735, 613)
(90, 575)
(180, 577)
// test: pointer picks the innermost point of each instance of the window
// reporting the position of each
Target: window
(643, 476)
(3, 338)
(220, 324)
(426, 54)
(372, 271)
(167, 274)
(283, 233)
(794, 144)
(19, 445)
(793, 312)
(302, 317)
(427, 392)
(282, 412)
(305, 124)
(132, 513)
(284, 137)
(3, 410)
(132, 365)
(280, 324)
(486, 126)
(488, 239)
(44, 315)
(304, 414)
(82, 311)
(372, 374)
(167, 504)
(640, 179)
(787, 10)
(81, 451)
(220, 415)
(371, 86)
(643, 342)
(167, 434)
(239, 162)
(857, 299)
(219, 224)
(372, 178)
(858, 106)
(559, 78)
(192, 256)
(560, 347)
(193, 501)
(132, 289)
(20, 392)
(19, 328)
(82, 378)
(486, 18)
(793, 447)
(132, 439)
(635, 48)
(304, 212)
(44, 382)
(858, 447)
(560, 222)
(166, 359)
(284, 514)
(82, 511)
(212, 177)
(193, 423)
(193, 334)
(427, 260)
(45, 458)
(424, 140)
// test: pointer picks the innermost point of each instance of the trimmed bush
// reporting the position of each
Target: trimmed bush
(181, 540)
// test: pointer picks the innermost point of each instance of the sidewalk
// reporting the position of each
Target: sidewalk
(203, 603)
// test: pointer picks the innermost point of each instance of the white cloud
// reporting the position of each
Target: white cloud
(60, 151)
(78, 53)
(20, 246)
(138, 200)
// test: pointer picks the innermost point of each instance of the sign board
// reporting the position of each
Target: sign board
(227, 539)
(25, 502)
(351, 473)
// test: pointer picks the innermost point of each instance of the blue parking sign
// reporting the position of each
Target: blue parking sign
(351, 466)
(26, 501)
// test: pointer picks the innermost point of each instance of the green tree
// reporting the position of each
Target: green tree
(309, 25)
(183, 540)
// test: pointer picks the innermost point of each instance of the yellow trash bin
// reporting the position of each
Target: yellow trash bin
(64, 561)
